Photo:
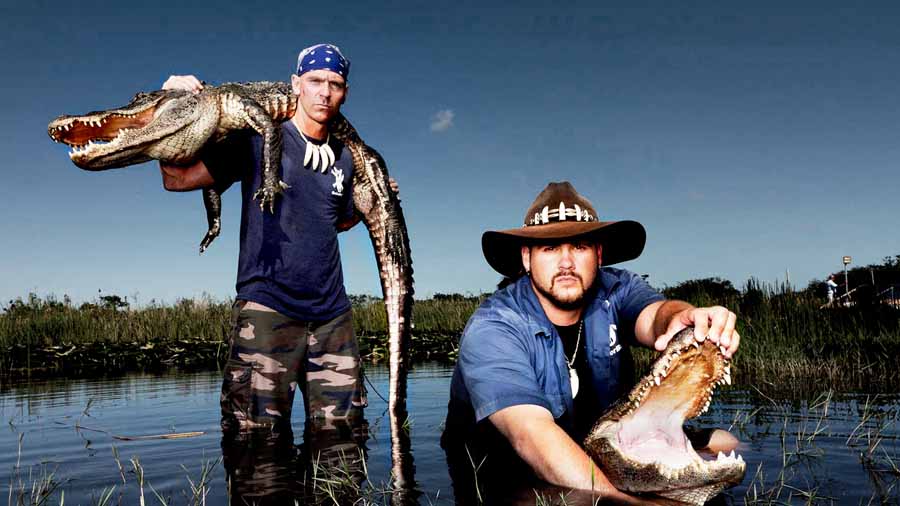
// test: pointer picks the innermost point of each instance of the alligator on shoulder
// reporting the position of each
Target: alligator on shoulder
(173, 125)
(639, 442)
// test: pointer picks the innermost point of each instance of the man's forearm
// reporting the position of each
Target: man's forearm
(654, 320)
(550, 452)
(556, 459)
(664, 314)
(181, 179)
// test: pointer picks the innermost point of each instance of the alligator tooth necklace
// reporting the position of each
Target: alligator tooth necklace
(317, 153)
(573, 375)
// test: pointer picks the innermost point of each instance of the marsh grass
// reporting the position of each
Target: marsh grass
(788, 341)
(799, 474)
(804, 474)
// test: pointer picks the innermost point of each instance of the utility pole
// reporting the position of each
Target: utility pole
(846, 261)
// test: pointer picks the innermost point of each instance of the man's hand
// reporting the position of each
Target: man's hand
(715, 323)
(188, 83)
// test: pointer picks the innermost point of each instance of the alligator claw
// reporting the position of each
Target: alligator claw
(267, 195)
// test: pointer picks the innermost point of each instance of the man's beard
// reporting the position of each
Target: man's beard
(568, 304)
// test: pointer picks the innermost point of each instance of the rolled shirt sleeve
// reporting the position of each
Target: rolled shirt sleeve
(496, 368)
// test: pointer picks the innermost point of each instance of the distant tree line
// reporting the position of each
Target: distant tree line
(869, 283)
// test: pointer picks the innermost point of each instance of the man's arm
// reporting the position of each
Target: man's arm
(553, 455)
(178, 178)
(660, 321)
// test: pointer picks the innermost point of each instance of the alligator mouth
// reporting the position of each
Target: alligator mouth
(95, 135)
(83, 131)
(644, 435)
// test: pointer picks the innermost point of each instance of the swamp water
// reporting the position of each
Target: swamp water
(61, 434)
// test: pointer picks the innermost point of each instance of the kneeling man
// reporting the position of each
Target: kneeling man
(543, 357)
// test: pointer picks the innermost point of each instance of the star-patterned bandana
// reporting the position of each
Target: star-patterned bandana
(323, 56)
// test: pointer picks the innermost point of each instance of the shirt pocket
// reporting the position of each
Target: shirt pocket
(607, 372)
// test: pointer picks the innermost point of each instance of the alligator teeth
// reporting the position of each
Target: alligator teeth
(695, 344)
(656, 380)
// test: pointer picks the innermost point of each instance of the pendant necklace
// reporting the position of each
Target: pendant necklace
(573, 375)
(317, 153)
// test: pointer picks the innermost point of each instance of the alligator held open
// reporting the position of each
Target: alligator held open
(639, 442)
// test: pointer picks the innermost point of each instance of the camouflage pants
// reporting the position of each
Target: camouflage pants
(272, 355)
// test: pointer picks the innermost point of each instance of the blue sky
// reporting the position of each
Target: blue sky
(749, 140)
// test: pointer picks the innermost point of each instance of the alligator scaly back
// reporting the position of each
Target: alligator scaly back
(172, 126)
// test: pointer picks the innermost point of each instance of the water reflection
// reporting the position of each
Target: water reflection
(265, 467)
(402, 464)
(845, 446)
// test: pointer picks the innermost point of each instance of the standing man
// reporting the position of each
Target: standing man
(292, 327)
(830, 289)
(542, 358)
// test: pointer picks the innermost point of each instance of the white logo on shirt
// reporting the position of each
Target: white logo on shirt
(338, 181)
(614, 346)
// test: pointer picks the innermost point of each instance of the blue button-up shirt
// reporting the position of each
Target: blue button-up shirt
(511, 354)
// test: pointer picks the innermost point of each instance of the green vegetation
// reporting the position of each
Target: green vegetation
(41, 337)
(788, 338)
(48, 336)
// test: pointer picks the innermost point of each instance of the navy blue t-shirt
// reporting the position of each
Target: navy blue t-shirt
(289, 261)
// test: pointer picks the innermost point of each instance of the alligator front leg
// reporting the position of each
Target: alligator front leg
(270, 131)
(212, 201)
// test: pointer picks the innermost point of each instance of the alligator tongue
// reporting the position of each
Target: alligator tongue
(649, 438)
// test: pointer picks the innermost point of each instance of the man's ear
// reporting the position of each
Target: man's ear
(346, 94)
(599, 254)
(526, 258)
(295, 84)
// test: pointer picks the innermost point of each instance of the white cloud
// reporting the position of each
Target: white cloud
(442, 120)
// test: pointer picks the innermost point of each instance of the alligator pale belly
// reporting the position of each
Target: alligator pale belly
(639, 442)
(380, 210)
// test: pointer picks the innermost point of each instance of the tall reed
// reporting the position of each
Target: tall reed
(787, 337)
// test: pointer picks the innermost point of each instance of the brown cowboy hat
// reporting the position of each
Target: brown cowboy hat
(559, 212)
